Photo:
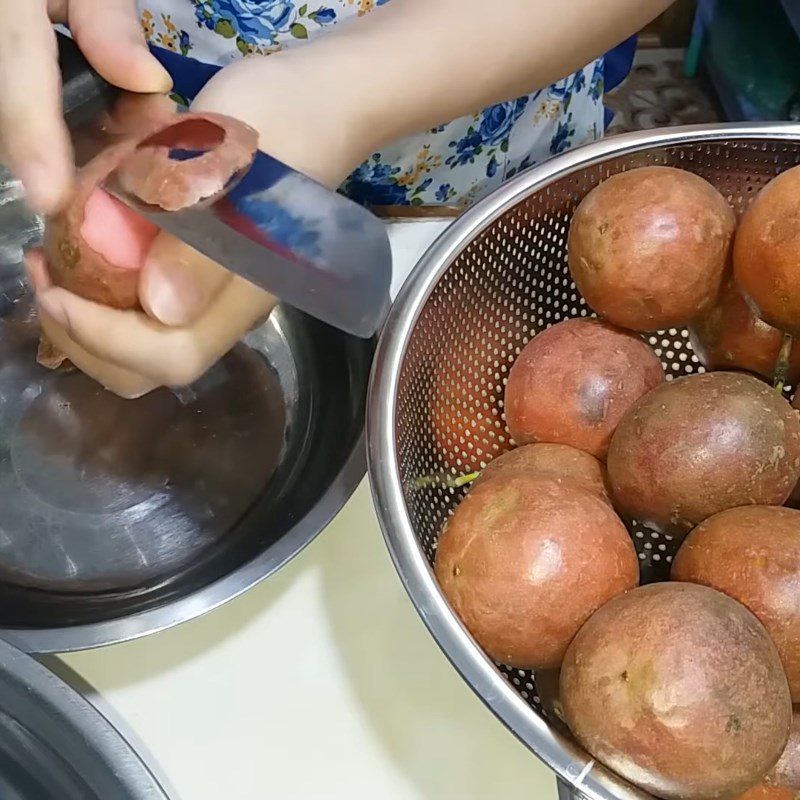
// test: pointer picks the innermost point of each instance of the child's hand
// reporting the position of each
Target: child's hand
(34, 142)
(195, 309)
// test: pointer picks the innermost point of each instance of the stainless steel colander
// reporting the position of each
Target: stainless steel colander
(489, 284)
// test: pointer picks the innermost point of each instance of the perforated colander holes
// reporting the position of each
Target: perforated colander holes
(675, 351)
(655, 551)
(524, 681)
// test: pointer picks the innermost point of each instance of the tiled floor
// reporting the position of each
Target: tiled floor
(656, 94)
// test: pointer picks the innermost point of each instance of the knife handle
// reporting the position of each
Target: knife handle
(84, 94)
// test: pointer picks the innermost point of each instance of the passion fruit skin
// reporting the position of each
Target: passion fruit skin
(648, 248)
(752, 554)
(679, 689)
(766, 254)
(701, 444)
(787, 771)
(557, 461)
(524, 561)
(730, 336)
(572, 384)
(766, 792)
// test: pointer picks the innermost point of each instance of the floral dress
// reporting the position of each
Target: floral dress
(453, 164)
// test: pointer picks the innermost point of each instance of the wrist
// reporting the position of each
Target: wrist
(302, 119)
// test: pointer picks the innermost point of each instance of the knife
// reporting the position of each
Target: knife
(311, 247)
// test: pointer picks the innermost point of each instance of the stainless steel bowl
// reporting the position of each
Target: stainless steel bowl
(55, 745)
(120, 518)
(493, 280)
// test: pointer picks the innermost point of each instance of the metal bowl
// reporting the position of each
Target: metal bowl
(489, 284)
(120, 518)
(54, 745)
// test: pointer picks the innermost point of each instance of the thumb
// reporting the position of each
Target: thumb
(112, 40)
(177, 283)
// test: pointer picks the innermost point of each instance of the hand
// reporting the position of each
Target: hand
(129, 352)
(195, 310)
(34, 142)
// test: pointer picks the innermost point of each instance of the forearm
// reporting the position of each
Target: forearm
(412, 64)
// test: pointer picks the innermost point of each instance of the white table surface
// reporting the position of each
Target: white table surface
(321, 683)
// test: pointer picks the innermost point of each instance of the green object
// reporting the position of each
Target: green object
(445, 479)
(299, 31)
(224, 27)
(755, 51)
(692, 58)
(179, 99)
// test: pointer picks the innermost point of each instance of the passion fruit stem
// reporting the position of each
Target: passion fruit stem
(445, 479)
(781, 372)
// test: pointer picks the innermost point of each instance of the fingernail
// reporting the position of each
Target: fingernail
(166, 80)
(52, 307)
(172, 295)
(161, 78)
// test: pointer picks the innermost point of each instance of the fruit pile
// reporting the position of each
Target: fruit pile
(683, 687)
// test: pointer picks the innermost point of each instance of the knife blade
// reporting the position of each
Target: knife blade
(275, 227)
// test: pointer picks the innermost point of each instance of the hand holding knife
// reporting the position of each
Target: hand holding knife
(275, 227)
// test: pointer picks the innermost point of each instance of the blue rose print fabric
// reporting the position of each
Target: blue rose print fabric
(453, 164)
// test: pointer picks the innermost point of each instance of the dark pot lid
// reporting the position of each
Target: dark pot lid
(55, 745)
